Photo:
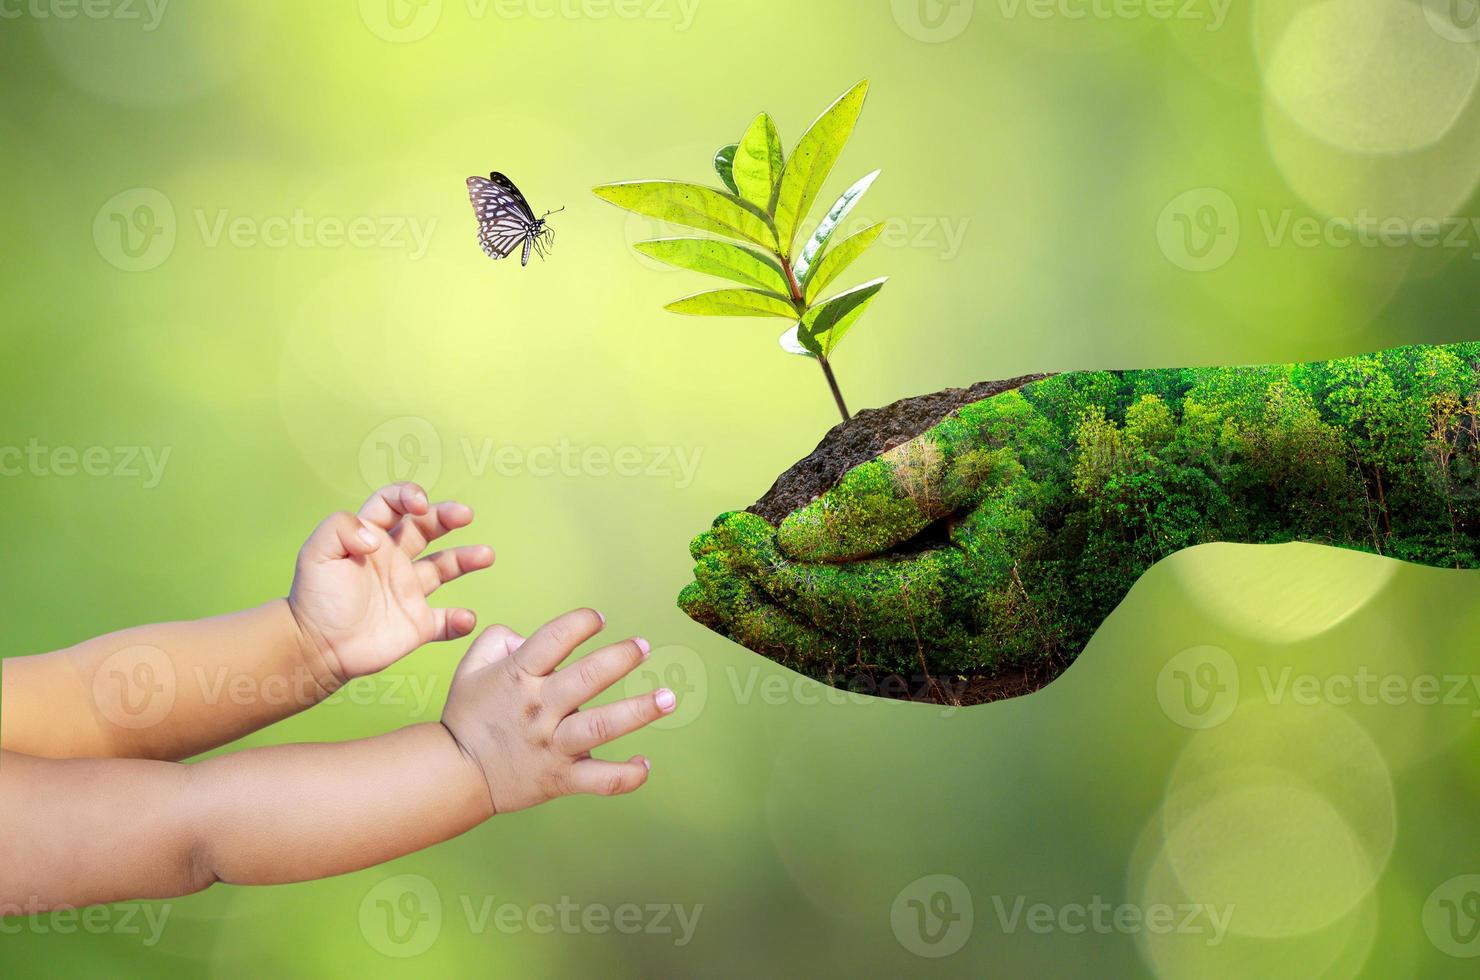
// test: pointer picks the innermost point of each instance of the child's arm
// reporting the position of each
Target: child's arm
(169, 691)
(83, 831)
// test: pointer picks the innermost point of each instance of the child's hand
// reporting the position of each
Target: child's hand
(360, 593)
(519, 720)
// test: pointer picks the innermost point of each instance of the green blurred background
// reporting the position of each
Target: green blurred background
(1070, 184)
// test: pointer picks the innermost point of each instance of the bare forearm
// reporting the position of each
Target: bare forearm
(165, 691)
(296, 812)
(83, 831)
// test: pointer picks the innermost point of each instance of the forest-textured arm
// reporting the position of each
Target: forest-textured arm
(83, 831)
(165, 691)
(999, 537)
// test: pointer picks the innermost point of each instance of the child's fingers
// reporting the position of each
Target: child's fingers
(449, 624)
(438, 569)
(390, 503)
(572, 687)
(608, 778)
(416, 531)
(586, 730)
(341, 535)
(554, 641)
(491, 646)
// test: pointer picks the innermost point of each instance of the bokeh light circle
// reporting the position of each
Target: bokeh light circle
(1370, 76)
(1369, 109)
(1276, 852)
(1263, 591)
(1286, 812)
(1339, 950)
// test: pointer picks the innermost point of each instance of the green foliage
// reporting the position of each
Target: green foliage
(1001, 537)
(835, 215)
(717, 258)
(824, 325)
(812, 160)
(694, 205)
(1149, 424)
(836, 261)
(724, 165)
(733, 302)
(757, 163)
(766, 199)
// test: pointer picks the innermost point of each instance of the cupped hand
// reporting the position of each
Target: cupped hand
(520, 721)
(360, 590)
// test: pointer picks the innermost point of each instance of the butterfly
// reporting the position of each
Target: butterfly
(505, 219)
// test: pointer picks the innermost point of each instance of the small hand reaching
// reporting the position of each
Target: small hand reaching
(360, 592)
(519, 720)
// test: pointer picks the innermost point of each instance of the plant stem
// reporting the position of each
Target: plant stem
(801, 304)
(793, 285)
(832, 383)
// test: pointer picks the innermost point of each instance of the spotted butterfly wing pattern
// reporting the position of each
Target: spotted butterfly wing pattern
(505, 219)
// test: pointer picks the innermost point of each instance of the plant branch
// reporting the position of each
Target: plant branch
(832, 383)
(791, 281)
(800, 302)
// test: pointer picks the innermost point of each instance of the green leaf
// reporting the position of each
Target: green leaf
(795, 342)
(690, 204)
(724, 165)
(830, 223)
(839, 258)
(716, 258)
(757, 163)
(812, 161)
(827, 322)
(734, 302)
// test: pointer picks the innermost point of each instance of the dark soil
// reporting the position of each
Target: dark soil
(864, 436)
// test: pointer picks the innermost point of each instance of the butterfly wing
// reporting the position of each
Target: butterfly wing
(504, 218)
(507, 186)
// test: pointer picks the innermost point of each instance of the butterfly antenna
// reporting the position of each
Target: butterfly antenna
(548, 213)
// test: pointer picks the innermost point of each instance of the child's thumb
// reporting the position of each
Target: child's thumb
(492, 645)
(341, 535)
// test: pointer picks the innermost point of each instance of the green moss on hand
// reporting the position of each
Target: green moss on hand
(1004, 534)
